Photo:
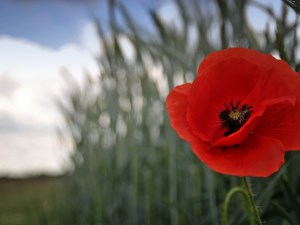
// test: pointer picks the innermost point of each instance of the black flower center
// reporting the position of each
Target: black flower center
(234, 116)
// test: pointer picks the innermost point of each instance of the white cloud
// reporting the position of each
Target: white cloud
(30, 81)
(89, 37)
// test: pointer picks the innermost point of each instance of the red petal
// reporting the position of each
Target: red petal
(282, 124)
(267, 113)
(232, 79)
(257, 156)
(252, 56)
(176, 106)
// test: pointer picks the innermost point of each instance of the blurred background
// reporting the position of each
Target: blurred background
(85, 138)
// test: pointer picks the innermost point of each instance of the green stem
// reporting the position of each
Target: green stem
(250, 195)
(227, 200)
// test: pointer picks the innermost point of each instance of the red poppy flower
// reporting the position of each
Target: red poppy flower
(241, 113)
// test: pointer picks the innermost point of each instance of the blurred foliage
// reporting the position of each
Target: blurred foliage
(294, 4)
(130, 166)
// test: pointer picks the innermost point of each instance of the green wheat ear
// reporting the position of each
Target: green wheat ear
(294, 4)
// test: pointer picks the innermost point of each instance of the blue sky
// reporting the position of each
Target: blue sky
(37, 39)
(50, 23)
(55, 22)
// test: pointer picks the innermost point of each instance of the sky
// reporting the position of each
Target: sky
(53, 23)
(37, 39)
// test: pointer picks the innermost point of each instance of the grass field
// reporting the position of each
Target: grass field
(24, 201)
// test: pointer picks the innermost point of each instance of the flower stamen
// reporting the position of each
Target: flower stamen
(234, 116)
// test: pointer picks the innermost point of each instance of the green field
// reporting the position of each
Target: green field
(25, 201)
